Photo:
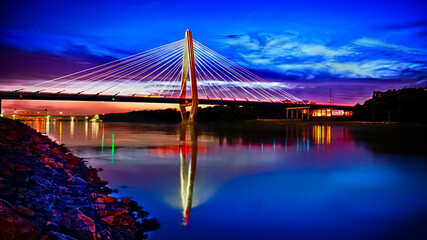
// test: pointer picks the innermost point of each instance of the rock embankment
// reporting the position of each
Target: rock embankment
(48, 193)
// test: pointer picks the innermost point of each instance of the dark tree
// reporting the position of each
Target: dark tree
(404, 105)
(209, 114)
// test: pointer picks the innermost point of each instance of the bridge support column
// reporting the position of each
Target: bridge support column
(301, 112)
(189, 68)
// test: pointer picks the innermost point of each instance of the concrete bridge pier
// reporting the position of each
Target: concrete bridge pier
(299, 112)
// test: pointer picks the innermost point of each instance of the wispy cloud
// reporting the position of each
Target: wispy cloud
(295, 55)
(376, 43)
(69, 46)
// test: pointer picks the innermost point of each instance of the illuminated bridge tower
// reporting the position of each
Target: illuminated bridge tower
(189, 68)
(188, 168)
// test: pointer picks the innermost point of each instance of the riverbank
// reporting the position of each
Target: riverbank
(330, 122)
(48, 193)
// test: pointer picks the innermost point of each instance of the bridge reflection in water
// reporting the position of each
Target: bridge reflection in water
(188, 150)
(300, 138)
(252, 179)
(187, 147)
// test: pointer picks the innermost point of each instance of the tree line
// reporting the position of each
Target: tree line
(208, 114)
(402, 105)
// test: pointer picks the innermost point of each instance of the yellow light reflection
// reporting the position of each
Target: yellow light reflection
(72, 128)
(86, 128)
(95, 129)
(37, 126)
(322, 135)
(60, 132)
(47, 125)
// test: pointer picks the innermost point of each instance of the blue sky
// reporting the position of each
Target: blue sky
(351, 47)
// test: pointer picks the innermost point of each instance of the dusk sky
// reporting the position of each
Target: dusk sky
(350, 47)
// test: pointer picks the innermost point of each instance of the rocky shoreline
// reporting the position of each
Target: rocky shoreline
(48, 193)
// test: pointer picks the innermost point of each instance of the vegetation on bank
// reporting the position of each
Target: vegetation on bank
(167, 115)
(209, 114)
(403, 105)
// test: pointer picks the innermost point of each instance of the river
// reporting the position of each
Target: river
(262, 180)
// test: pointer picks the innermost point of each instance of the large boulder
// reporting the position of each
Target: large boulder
(79, 225)
(150, 224)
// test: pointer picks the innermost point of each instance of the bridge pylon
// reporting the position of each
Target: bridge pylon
(189, 69)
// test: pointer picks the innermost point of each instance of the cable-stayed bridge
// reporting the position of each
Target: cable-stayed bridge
(160, 75)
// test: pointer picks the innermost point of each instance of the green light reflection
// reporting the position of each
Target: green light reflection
(112, 148)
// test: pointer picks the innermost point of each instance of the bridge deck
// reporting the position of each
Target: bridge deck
(109, 98)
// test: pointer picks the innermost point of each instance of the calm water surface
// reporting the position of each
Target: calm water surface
(260, 181)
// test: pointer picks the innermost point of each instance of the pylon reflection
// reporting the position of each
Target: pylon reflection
(188, 168)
